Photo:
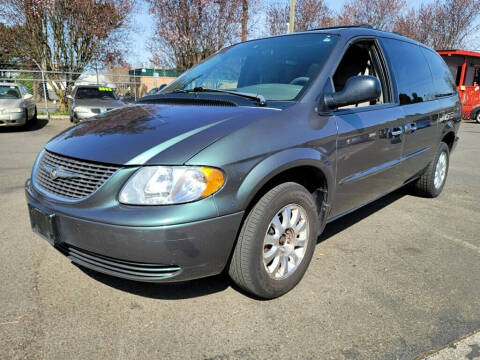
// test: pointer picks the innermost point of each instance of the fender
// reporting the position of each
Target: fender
(474, 111)
(279, 162)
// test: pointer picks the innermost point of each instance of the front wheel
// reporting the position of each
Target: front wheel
(433, 179)
(477, 117)
(276, 242)
(35, 116)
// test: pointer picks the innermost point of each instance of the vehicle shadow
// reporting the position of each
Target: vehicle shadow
(346, 221)
(37, 125)
(165, 291)
(210, 285)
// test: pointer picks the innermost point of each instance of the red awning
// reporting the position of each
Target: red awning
(459, 52)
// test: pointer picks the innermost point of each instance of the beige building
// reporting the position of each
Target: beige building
(146, 79)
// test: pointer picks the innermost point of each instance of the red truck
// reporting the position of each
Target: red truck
(465, 67)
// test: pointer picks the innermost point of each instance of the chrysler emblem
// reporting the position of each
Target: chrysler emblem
(53, 174)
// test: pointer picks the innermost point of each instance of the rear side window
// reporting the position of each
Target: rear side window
(411, 71)
(442, 77)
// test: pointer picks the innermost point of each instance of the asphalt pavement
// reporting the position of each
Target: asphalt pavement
(398, 279)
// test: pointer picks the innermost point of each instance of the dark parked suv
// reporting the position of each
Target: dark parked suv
(240, 162)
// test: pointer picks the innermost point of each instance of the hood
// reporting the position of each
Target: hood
(102, 103)
(10, 103)
(152, 134)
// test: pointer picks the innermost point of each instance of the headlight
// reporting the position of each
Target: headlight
(14, 110)
(81, 109)
(162, 185)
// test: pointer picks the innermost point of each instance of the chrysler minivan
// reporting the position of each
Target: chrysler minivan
(239, 163)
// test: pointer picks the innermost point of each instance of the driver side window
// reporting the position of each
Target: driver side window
(361, 58)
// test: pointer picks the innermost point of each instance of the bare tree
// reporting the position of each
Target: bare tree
(309, 14)
(445, 24)
(66, 36)
(381, 14)
(188, 31)
(417, 24)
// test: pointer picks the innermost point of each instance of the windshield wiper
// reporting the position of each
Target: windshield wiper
(258, 98)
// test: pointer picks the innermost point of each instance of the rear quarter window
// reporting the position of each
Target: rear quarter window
(411, 71)
(442, 77)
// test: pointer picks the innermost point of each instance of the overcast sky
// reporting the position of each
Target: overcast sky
(144, 27)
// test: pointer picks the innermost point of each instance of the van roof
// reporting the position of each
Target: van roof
(363, 29)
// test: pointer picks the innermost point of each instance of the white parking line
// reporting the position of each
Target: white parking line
(467, 348)
(461, 242)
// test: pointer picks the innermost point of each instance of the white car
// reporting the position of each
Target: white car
(17, 106)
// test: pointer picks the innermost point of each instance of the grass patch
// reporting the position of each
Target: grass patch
(54, 113)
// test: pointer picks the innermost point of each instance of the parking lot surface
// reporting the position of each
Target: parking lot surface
(394, 280)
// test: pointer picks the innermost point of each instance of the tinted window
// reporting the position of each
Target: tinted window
(411, 71)
(278, 68)
(9, 92)
(476, 76)
(100, 92)
(442, 77)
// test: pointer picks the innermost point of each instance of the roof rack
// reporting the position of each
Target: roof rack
(365, 26)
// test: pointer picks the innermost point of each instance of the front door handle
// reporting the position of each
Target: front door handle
(396, 131)
(410, 128)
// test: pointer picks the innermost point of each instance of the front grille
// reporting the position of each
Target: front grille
(95, 110)
(69, 178)
(120, 268)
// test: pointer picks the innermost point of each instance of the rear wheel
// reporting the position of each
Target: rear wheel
(477, 117)
(432, 181)
(276, 242)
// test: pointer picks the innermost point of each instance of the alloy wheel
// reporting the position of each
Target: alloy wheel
(285, 241)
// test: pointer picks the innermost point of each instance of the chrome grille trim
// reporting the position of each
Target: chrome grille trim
(90, 176)
(121, 268)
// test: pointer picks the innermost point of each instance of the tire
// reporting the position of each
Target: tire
(247, 267)
(427, 186)
(34, 118)
(477, 117)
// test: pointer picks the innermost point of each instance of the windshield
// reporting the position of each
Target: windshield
(100, 92)
(9, 92)
(278, 68)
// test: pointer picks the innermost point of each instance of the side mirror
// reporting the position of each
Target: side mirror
(27, 96)
(161, 87)
(69, 97)
(358, 89)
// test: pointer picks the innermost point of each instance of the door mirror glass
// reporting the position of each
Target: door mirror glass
(69, 97)
(358, 89)
(27, 96)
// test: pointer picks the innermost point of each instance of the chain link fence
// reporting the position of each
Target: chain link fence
(129, 85)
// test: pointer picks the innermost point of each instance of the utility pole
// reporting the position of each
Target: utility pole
(291, 24)
(244, 20)
(96, 70)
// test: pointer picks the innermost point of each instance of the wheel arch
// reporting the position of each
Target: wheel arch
(449, 139)
(305, 166)
(473, 113)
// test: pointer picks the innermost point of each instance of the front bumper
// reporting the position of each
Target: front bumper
(145, 253)
(13, 119)
(80, 116)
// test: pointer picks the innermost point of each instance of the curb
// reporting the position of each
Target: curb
(54, 117)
